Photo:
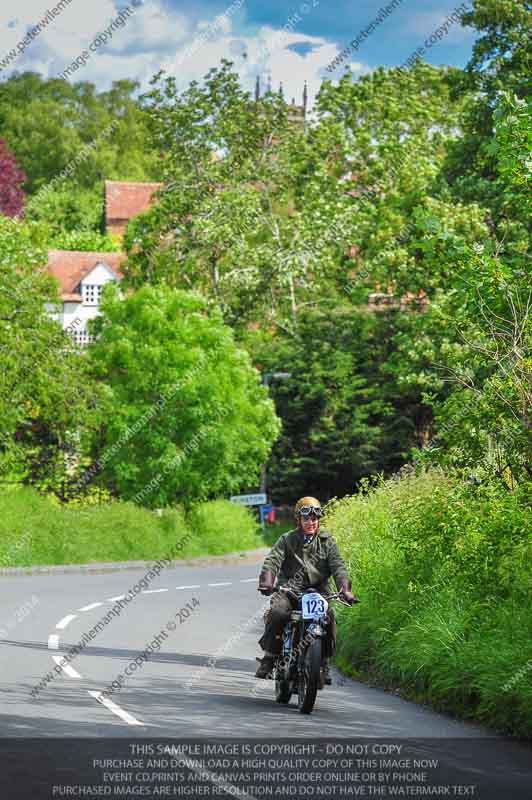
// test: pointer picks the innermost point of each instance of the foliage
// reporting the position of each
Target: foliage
(213, 427)
(68, 208)
(39, 401)
(11, 179)
(47, 122)
(342, 419)
(441, 570)
(36, 530)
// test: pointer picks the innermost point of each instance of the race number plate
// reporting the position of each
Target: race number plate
(314, 606)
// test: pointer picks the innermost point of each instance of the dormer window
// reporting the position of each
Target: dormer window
(91, 294)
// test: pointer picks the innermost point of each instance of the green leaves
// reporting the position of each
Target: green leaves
(188, 418)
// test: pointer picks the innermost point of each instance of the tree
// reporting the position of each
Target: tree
(49, 122)
(11, 180)
(188, 418)
(46, 395)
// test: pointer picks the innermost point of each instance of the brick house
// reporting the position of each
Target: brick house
(124, 200)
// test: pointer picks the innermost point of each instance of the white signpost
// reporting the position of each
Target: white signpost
(258, 499)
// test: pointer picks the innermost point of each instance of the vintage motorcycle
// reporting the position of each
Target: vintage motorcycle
(299, 668)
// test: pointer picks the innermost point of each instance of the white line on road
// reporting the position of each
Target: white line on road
(65, 621)
(53, 642)
(194, 586)
(70, 671)
(90, 607)
(129, 718)
(220, 584)
(248, 580)
(119, 597)
(153, 591)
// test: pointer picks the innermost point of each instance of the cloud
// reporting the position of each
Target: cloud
(423, 23)
(159, 36)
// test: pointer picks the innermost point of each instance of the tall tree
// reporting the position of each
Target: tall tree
(11, 179)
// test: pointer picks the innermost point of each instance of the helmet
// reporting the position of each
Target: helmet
(311, 502)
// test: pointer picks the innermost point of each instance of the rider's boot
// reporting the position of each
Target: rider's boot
(326, 672)
(265, 668)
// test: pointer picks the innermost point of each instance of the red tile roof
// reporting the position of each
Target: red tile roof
(124, 199)
(71, 266)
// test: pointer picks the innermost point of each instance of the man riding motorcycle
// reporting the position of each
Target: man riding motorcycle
(304, 557)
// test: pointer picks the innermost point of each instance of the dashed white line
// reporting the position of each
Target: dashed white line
(113, 599)
(124, 715)
(228, 583)
(153, 591)
(193, 586)
(53, 642)
(248, 580)
(65, 621)
(90, 607)
(70, 671)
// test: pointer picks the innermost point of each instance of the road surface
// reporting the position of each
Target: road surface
(198, 681)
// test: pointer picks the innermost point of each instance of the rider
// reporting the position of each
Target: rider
(304, 557)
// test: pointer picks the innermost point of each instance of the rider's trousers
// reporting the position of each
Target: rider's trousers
(278, 615)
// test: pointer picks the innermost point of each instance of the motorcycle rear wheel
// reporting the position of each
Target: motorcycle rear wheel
(309, 677)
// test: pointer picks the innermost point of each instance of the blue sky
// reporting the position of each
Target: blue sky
(291, 41)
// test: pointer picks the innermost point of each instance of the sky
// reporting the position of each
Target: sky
(289, 42)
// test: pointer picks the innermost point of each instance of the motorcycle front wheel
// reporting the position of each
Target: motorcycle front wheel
(309, 677)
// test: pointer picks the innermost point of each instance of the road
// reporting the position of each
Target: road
(200, 683)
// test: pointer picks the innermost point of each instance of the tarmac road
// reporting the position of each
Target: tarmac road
(199, 679)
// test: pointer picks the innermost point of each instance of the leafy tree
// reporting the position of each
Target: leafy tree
(48, 122)
(46, 396)
(343, 418)
(11, 180)
(68, 208)
(188, 418)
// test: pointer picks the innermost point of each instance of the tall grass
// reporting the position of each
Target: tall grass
(34, 529)
(445, 577)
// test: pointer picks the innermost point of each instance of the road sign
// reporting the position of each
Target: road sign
(249, 499)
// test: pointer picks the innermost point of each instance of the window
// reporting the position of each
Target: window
(92, 294)
(81, 336)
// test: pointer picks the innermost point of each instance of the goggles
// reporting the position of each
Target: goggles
(306, 511)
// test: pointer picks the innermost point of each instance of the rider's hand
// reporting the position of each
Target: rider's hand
(349, 597)
(266, 581)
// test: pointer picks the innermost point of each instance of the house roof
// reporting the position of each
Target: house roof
(125, 199)
(71, 266)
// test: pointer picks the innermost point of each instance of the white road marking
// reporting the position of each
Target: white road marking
(65, 621)
(129, 718)
(53, 641)
(194, 586)
(90, 607)
(112, 599)
(248, 580)
(220, 584)
(153, 591)
(70, 671)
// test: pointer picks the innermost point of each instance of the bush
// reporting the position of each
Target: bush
(444, 578)
(220, 526)
(35, 529)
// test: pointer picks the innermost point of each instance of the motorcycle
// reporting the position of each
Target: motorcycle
(299, 668)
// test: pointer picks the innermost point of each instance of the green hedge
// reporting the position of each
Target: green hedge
(34, 529)
(444, 572)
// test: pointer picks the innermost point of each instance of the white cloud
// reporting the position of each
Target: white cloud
(158, 37)
(424, 23)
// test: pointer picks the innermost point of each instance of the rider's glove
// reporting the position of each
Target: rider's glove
(266, 581)
(344, 586)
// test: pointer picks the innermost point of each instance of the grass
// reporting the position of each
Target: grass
(35, 530)
(445, 615)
